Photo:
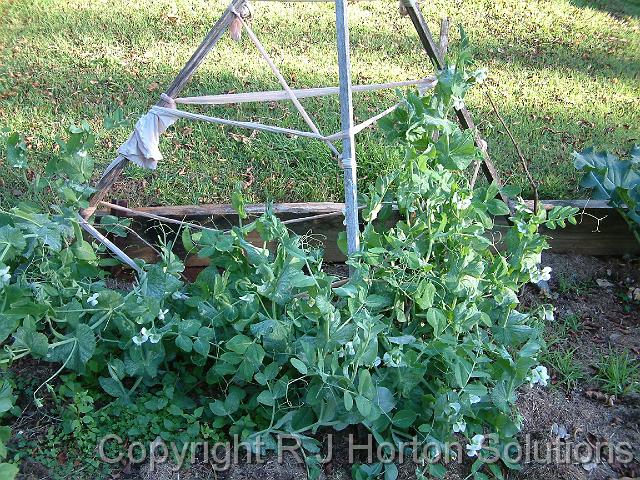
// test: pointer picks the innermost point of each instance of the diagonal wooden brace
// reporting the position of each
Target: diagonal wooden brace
(436, 55)
(221, 26)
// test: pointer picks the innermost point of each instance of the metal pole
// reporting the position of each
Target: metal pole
(346, 119)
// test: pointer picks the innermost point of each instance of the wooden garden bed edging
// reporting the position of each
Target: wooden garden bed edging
(600, 230)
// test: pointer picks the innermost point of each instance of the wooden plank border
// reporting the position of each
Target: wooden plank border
(601, 231)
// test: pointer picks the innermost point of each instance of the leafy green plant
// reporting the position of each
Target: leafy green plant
(7, 399)
(572, 322)
(366, 472)
(426, 339)
(614, 180)
(568, 371)
(618, 373)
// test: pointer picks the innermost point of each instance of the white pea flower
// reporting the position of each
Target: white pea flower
(458, 102)
(5, 276)
(93, 299)
(461, 203)
(142, 337)
(349, 349)
(541, 275)
(377, 362)
(474, 399)
(459, 426)
(179, 296)
(155, 337)
(475, 446)
(464, 203)
(523, 227)
(456, 407)
(162, 313)
(394, 358)
(548, 313)
(539, 375)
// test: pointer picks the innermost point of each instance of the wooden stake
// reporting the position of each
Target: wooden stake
(444, 37)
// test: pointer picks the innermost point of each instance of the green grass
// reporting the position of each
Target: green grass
(567, 284)
(566, 327)
(572, 323)
(568, 371)
(618, 373)
(565, 74)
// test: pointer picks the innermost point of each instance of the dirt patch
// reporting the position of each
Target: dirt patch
(289, 468)
(585, 426)
(595, 316)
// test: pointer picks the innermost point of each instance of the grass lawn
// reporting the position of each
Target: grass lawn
(564, 74)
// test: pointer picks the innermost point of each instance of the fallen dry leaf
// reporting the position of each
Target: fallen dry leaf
(604, 283)
(600, 396)
(240, 138)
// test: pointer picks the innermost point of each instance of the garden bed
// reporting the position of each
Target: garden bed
(596, 317)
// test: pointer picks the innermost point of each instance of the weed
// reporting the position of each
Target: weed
(567, 284)
(572, 323)
(618, 373)
(568, 371)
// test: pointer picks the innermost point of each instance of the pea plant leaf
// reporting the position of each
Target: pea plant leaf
(74, 158)
(7, 398)
(28, 338)
(8, 325)
(16, 151)
(76, 349)
(12, 242)
(457, 150)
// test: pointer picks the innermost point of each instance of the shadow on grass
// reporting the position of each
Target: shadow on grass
(596, 61)
(614, 7)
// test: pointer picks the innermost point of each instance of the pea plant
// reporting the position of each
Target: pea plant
(7, 399)
(426, 339)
